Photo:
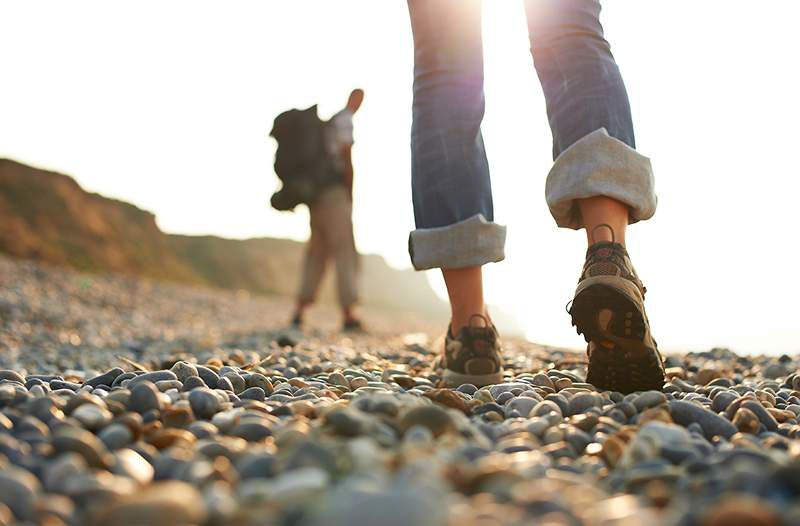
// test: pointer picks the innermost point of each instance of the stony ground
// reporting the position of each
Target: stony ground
(130, 402)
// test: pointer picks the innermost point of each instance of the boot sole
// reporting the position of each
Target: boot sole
(607, 317)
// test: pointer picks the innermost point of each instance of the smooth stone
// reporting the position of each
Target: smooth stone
(347, 422)
(121, 378)
(56, 472)
(468, 389)
(204, 403)
(722, 400)
(545, 407)
(225, 384)
(106, 378)
(252, 431)
(582, 402)
(763, 415)
(560, 400)
(543, 380)
(153, 377)
(193, 382)
(116, 436)
(337, 378)
(257, 466)
(775, 370)
(131, 464)
(183, 370)
(202, 429)
(577, 439)
(208, 375)
(165, 385)
(497, 389)
(504, 398)
(523, 406)
(253, 393)
(746, 421)
(159, 504)
(55, 385)
(144, 397)
(236, 381)
(299, 485)
(13, 376)
(18, 491)
(649, 399)
(92, 417)
(392, 506)
(84, 443)
(433, 417)
(686, 413)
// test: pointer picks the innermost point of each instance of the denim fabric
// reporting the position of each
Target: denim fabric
(584, 93)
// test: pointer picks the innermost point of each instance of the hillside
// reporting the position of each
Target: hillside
(48, 217)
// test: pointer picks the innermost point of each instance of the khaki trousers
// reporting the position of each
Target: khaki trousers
(331, 238)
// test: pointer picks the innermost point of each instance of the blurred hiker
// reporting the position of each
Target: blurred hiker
(314, 163)
(598, 182)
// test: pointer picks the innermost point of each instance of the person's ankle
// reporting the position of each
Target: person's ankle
(477, 317)
(605, 233)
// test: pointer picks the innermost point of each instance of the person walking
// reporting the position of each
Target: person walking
(598, 183)
(332, 226)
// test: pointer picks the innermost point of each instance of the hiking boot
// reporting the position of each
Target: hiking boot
(472, 357)
(608, 309)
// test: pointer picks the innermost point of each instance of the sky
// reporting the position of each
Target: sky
(168, 104)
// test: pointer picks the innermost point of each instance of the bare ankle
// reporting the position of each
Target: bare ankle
(478, 317)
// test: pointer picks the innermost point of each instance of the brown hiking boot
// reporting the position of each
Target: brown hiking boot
(608, 309)
(473, 357)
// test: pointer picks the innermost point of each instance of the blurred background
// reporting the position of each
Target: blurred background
(167, 105)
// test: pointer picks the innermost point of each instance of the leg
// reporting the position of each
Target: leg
(590, 118)
(604, 218)
(341, 244)
(465, 290)
(451, 189)
(316, 259)
(452, 193)
(598, 182)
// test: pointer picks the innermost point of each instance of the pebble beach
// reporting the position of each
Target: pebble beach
(131, 402)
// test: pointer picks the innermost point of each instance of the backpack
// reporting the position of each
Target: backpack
(302, 161)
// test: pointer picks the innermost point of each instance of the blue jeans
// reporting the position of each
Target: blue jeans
(587, 107)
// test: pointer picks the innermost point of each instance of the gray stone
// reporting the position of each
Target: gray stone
(84, 443)
(649, 399)
(521, 405)
(208, 375)
(204, 402)
(582, 402)
(106, 378)
(116, 436)
(183, 370)
(259, 380)
(194, 382)
(155, 376)
(144, 397)
(18, 490)
(159, 504)
(92, 417)
(253, 393)
(722, 400)
(686, 413)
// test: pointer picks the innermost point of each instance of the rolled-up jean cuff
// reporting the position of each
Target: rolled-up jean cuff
(600, 165)
(472, 242)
